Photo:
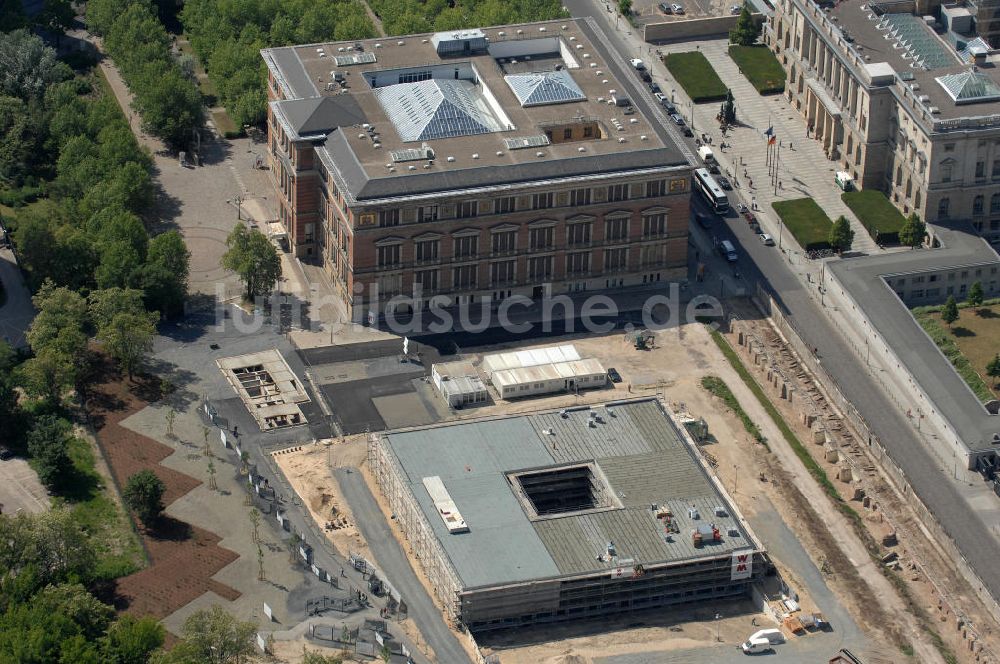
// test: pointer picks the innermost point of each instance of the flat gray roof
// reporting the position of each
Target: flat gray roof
(641, 453)
(864, 279)
(641, 140)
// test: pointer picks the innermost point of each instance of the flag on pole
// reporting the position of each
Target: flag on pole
(769, 132)
(772, 140)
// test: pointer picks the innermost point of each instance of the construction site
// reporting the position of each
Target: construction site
(564, 514)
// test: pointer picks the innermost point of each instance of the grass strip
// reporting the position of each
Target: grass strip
(944, 340)
(760, 67)
(857, 522)
(718, 387)
(879, 217)
(806, 221)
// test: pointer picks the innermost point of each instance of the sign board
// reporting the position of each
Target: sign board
(379, 638)
(742, 565)
(268, 612)
(261, 641)
(222, 437)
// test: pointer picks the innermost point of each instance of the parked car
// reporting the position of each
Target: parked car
(726, 248)
(668, 107)
(713, 168)
(766, 239)
(678, 9)
(637, 63)
(644, 75)
(735, 9)
(741, 208)
(704, 220)
(678, 120)
(724, 183)
(614, 376)
(665, 8)
(654, 88)
(687, 132)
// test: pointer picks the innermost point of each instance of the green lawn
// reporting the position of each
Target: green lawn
(969, 344)
(694, 73)
(760, 67)
(882, 221)
(806, 221)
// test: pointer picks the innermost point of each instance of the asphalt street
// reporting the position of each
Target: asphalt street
(758, 262)
(17, 312)
(395, 565)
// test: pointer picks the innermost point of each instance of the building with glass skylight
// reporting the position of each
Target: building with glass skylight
(475, 164)
(907, 104)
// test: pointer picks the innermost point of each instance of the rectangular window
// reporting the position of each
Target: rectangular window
(615, 260)
(505, 242)
(588, 131)
(426, 279)
(567, 134)
(654, 225)
(540, 268)
(542, 201)
(427, 250)
(388, 255)
(466, 247)
(946, 173)
(579, 197)
(656, 188)
(468, 209)
(616, 229)
(578, 234)
(996, 168)
(980, 169)
(388, 218)
(503, 272)
(464, 277)
(541, 238)
(578, 263)
(652, 256)
(617, 192)
(427, 213)
(503, 205)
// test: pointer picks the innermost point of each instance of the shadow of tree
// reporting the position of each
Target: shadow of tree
(169, 529)
(962, 332)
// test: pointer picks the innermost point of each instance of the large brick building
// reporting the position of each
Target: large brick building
(481, 163)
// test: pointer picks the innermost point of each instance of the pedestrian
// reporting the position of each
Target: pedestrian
(343, 575)
(630, 388)
(789, 145)
(751, 182)
(236, 431)
(753, 623)
(781, 185)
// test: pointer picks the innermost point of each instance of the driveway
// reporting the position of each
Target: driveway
(17, 312)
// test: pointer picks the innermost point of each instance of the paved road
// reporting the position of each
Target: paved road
(392, 559)
(17, 312)
(942, 496)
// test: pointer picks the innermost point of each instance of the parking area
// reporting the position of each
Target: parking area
(654, 11)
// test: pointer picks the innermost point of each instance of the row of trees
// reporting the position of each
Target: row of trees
(228, 36)
(407, 17)
(166, 97)
(911, 234)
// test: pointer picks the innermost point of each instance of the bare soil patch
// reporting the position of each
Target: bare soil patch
(183, 558)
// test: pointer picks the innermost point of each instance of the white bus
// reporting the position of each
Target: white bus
(711, 190)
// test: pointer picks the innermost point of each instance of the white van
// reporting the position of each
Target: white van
(706, 154)
(773, 636)
(727, 249)
(754, 646)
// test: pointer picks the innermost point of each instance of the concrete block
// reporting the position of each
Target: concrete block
(832, 455)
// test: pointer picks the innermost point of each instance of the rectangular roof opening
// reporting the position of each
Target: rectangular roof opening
(563, 490)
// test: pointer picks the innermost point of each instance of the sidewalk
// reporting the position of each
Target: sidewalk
(805, 172)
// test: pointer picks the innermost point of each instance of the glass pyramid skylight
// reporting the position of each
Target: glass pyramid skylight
(968, 87)
(437, 108)
(541, 88)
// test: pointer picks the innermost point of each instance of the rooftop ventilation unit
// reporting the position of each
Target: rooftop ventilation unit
(412, 154)
(523, 142)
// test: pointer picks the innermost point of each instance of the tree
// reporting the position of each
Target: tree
(949, 312)
(56, 17)
(212, 635)
(625, 7)
(746, 30)
(43, 549)
(128, 339)
(975, 297)
(252, 256)
(913, 232)
(314, 657)
(10, 414)
(841, 235)
(993, 369)
(48, 446)
(18, 140)
(105, 304)
(144, 495)
(170, 105)
(27, 66)
(132, 640)
(727, 114)
(385, 654)
(164, 278)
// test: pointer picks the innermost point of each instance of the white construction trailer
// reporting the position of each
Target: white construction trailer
(459, 383)
(547, 378)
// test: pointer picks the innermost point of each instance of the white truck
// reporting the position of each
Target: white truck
(762, 640)
(706, 155)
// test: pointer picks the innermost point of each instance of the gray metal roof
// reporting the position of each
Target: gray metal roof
(293, 71)
(437, 108)
(641, 453)
(541, 88)
(321, 115)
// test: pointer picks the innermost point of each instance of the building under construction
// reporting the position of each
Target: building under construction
(564, 514)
